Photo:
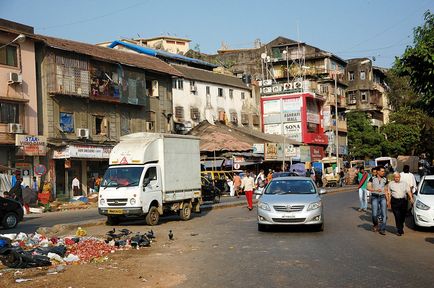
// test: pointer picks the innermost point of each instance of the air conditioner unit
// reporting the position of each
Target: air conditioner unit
(15, 78)
(83, 133)
(297, 85)
(267, 90)
(277, 88)
(287, 86)
(15, 128)
(260, 83)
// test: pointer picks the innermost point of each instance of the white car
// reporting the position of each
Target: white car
(291, 201)
(423, 208)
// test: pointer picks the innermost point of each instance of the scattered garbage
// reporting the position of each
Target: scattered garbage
(35, 250)
(23, 280)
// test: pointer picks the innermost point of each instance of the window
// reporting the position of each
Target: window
(194, 114)
(66, 122)
(125, 124)
(8, 55)
(364, 97)
(362, 75)
(243, 96)
(193, 87)
(231, 93)
(208, 90)
(312, 127)
(178, 83)
(150, 176)
(351, 97)
(9, 112)
(351, 75)
(101, 125)
(324, 89)
(244, 119)
(179, 113)
(234, 118)
(220, 92)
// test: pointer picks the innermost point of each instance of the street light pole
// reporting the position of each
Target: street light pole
(283, 134)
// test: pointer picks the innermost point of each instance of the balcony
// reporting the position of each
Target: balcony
(342, 125)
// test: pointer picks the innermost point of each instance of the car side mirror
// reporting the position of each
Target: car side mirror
(146, 182)
(322, 191)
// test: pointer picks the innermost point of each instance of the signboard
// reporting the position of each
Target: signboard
(290, 104)
(40, 170)
(292, 116)
(272, 118)
(291, 151)
(31, 145)
(293, 131)
(270, 151)
(271, 106)
(238, 159)
(316, 153)
(258, 148)
(273, 129)
(313, 118)
(82, 151)
(237, 166)
(305, 154)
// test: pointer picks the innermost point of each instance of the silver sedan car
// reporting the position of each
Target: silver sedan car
(291, 201)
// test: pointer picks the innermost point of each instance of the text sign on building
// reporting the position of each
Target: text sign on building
(31, 145)
(313, 118)
(258, 148)
(292, 116)
(291, 104)
(82, 151)
(270, 151)
(293, 131)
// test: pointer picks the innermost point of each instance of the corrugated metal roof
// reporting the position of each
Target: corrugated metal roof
(210, 77)
(107, 54)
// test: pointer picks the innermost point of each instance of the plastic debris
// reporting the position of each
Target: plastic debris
(80, 232)
(71, 258)
(23, 280)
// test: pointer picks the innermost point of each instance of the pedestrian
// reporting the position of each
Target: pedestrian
(30, 197)
(35, 186)
(260, 177)
(363, 179)
(341, 178)
(399, 190)
(378, 186)
(76, 186)
(408, 178)
(16, 191)
(248, 184)
(237, 184)
(231, 186)
(269, 176)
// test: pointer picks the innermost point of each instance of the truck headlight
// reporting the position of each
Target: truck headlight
(132, 201)
(421, 205)
(313, 206)
(102, 202)
(263, 206)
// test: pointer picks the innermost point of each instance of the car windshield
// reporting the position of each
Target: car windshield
(427, 187)
(122, 177)
(293, 186)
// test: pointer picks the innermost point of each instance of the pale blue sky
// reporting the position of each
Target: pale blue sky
(347, 28)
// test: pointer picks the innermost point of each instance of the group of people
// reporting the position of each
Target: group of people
(24, 194)
(384, 194)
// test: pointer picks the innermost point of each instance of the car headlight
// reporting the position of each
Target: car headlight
(263, 206)
(421, 205)
(101, 201)
(313, 206)
(132, 201)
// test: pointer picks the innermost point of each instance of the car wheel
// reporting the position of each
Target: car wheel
(153, 216)
(262, 227)
(112, 220)
(320, 227)
(185, 212)
(10, 220)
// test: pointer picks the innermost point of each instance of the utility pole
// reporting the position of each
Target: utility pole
(336, 115)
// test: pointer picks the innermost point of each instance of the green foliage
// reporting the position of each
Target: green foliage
(364, 141)
(418, 63)
(400, 92)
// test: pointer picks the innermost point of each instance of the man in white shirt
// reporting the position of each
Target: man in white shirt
(75, 186)
(248, 184)
(408, 178)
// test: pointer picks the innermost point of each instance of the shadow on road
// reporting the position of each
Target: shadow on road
(292, 228)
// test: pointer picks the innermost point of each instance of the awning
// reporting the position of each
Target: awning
(218, 163)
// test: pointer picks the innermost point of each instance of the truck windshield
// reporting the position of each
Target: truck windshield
(122, 177)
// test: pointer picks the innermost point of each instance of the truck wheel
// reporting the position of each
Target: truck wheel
(10, 220)
(185, 212)
(112, 220)
(153, 216)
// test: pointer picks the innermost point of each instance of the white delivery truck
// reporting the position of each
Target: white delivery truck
(151, 174)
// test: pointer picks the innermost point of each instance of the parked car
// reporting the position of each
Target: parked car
(284, 174)
(423, 208)
(291, 201)
(210, 192)
(11, 212)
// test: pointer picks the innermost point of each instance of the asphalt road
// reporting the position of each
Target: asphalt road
(347, 254)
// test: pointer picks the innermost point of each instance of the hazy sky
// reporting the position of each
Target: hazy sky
(347, 28)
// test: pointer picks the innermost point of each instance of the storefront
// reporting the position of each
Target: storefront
(29, 149)
(81, 161)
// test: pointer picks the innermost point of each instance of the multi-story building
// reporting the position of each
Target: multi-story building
(20, 145)
(206, 95)
(367, 90)
(88, 97)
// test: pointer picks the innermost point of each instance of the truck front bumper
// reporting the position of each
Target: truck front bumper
(126, 211)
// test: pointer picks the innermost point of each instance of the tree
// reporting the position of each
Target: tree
(400, 92)
(364, 141)
(418, 63)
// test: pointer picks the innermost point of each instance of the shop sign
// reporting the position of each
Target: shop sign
(258, 148)
(40, 170)
(82, 151)
(293, 131)
(273, 129)
(23, 165)
(238, 159)
(316, 153)
(290, 151)
(271, 106)
(292, 116)
(270, 151)
(291, 104)
(272, 118)
(313, 118)
(305, 154)
(31, 145)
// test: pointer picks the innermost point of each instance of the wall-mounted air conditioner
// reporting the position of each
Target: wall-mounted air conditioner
(287, 86)
(83, 133)
(15, 128)
(15, 78)
(297, 85)
(267, 82)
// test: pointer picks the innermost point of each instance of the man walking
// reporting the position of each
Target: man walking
(399, 191)
(248, 184)
(380, 197)
(237, 184)
(363, 178)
